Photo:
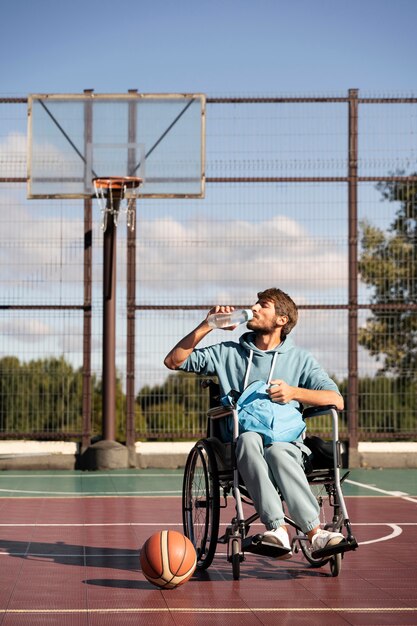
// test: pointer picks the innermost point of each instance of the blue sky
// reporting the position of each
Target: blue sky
(220, 47)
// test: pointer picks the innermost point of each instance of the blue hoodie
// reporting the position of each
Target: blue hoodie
(230, 361)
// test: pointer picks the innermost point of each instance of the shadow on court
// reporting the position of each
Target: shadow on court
(68, 554)
(117, 583)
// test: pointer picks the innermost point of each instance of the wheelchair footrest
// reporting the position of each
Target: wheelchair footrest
(255, 545)
(339, 548)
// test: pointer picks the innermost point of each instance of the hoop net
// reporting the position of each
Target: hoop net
(115, 194)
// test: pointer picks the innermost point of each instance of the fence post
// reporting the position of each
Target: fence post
(352, 393)
(131, 301)
(88, 241)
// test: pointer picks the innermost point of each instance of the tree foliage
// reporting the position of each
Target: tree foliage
(178, 406)
(43, 395)
(388, 264)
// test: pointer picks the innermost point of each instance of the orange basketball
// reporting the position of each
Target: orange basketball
(168, 559)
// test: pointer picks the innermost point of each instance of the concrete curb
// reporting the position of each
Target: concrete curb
(60, 455)
(398, 454)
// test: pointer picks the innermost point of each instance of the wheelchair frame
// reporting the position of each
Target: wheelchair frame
(207, 471)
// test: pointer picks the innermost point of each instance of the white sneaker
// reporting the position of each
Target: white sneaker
(325, 539)
(280, 538)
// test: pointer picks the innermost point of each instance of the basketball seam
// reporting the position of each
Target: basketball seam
(168, 578)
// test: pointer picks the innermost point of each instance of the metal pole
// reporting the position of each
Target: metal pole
(86, 436)
(131, 294)
(353, 394)
(109, 327)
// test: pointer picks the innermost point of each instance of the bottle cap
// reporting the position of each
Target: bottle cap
(249, 314)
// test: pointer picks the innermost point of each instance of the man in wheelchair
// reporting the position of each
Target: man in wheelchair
(270, 463)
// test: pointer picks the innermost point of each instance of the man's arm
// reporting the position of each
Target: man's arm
(280, 391)
(179, 353)
(183, 349)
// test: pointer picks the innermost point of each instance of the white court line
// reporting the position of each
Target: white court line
(396, 531)
(216, 610)
(95, 476)
(47, 556)
(91, 493)
(81, 524)
(394, 494)
(104, 524)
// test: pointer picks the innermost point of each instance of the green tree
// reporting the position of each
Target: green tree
(386, 405)
(140, 421)
(388, 264)
(10, 394)
(176, 408)
(42, 395)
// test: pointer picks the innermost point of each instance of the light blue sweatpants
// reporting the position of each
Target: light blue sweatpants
(275, 471)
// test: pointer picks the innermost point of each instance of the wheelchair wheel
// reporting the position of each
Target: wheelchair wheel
(306, 550)
(201, 502)
(335, 561)
(236, 559)
(336, 564)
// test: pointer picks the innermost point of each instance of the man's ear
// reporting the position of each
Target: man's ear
(282, 320)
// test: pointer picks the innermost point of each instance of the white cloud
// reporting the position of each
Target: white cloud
(38, 249)
(13, 155)
(178, 256)
(27, 330)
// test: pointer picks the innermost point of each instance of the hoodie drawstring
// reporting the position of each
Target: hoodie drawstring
(271, 371)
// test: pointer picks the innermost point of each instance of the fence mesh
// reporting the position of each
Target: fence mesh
(280, 210)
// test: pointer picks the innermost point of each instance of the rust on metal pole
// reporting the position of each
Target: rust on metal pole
(109, 327)
(353, 389)
(88, 226)
(131, 290)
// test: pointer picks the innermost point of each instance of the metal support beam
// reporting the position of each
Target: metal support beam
(109, 328)
(88, 242)
(353, 391)
(131, 296)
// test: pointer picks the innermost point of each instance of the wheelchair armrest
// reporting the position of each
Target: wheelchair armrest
(329, 409)
(218, 412)
(315, 411)
(214, 425)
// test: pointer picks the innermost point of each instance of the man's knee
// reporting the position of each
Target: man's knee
(248, 444)
(282, 454)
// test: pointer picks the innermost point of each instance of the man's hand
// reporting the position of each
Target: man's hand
(222, 309)
(282, 392)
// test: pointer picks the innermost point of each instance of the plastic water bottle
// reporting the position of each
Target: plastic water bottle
(224, 320)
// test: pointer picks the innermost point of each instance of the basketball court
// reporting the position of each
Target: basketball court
(70, 545)
(70, 541)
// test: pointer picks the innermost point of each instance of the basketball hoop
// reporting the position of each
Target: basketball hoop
(115, 194)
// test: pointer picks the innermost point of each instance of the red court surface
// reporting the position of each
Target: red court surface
(75, 561)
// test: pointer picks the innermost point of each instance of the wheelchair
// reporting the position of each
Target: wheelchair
(211, 475)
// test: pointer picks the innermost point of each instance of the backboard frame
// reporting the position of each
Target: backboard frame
(89, 98)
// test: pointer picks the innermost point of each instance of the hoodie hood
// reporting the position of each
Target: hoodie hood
(247, 341)
(261, 364)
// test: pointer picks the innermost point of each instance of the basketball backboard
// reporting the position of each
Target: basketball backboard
(73, 138)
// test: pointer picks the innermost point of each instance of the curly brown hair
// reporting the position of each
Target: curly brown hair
(284, 305)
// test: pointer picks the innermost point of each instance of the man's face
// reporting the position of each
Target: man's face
(265, 318)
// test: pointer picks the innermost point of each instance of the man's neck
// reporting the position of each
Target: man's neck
(268, 341)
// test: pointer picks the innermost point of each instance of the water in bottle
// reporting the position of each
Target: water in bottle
(224, 320)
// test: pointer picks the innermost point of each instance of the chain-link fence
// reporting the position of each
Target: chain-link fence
(317, 196)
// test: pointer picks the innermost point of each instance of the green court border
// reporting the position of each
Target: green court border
(168, 483)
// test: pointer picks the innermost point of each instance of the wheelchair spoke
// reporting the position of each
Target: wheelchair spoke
(201, 503)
